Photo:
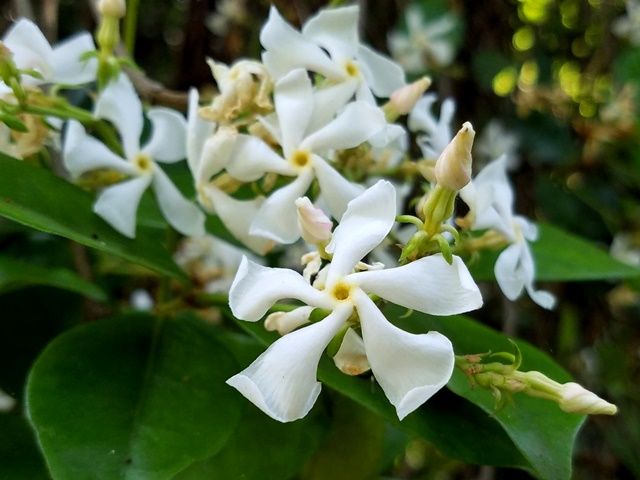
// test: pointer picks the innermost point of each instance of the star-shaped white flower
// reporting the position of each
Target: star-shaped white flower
(409, 368)
(490, 200)
(118, 203)
(305, 128)
(435, 133)
(60, 64)
(329, 44)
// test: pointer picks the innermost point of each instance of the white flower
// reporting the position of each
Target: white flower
(208, 152)
(61, 64)
(118, 204)
(628, 26)
(436, 132)
(7, 402)
(141, 299)
(305, 128)
(315, 227)
(329, 45)
(626, 248)
(409, 368)
(425, 44)
(490, 200)
(496, 140)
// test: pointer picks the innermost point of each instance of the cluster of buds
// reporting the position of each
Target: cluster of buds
(108, 38)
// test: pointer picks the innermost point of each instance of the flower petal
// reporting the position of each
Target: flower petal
(198, 131)
(252, 158)
(83, 153)
(286, 322)
(120, 104)
(409, 368)
(328, 101)
(293, 98)
(182, 214)
(429, 285)
(256, 288)
(215, 155)
(118, 204)
(352, 357)
(383, 75)
(30, 48)
(168, 135)
(367, 221)
(358, 122)
(336, 190)
(67, 66)
(335, 29)
(277, 218)
(508, 273)
(282, 381)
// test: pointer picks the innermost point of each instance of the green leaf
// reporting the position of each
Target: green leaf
(35, 197)
(542, 432)
(132, 397)
(15, 274)
(561, 256)
(19, 455)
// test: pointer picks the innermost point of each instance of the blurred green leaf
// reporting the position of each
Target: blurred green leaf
(15, 274)
(37, 198)
(132, 397)
(561, 256)
(20, 458)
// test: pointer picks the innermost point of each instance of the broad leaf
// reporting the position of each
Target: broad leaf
(15, 274)
(37, 198)
(561, 256)
(19, 455)
(132, 397)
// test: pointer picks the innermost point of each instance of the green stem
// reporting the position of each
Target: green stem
(130, 26)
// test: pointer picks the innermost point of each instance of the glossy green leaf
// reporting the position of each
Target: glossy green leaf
(35, 197)
(15, 274)
(544, 434)
(561, 256)
(132, 397)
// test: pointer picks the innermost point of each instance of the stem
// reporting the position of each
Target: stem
(130, 24)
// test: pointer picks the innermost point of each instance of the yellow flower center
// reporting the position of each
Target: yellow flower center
(143, 162)
(351, 69)
(341, 291)
(300, 158)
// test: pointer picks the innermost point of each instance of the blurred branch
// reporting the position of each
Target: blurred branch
(23, 8)
(49, 14)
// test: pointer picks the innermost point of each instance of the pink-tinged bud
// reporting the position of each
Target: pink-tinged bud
(404, 99)
(351, 357)
(315, 226)
(577, 399)
(285, 322)
(453, 168)
(112, 8)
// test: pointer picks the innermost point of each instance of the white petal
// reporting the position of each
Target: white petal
(277, 218)
(182, 214)
(30, 48)
(83, 153)
(68, 68)
(118, 204)
(237, 216)
(293, 98)
(335, 29)
(215, 154)
(358, 122)
(328, 101)
(256, 288)
(508, 273)
(168, 135)
(367, 221)
(337, 191)
(352, 357)
(120, 104)
(288, 49)
(251, 158)
(429, 285)
(286, 322)
(282, 381)
(198, 131)
(383, 75)
(409, 368)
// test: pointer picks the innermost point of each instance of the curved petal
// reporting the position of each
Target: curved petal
(328, 101)
(335, 29)
(252, 158)
(409, 368)
(67, 66)
(237, 216)
(277, 218)
(120, 104)
(256, 288)
(336, 190)
(358, 122)
(183, 215)
(118, 204)
(367, 221)
(215, 154)
(30, 48)
(429, 285)
(288, 49)
(508, 273)
(352, 357)
(282, 381)
(286, 322)
(293, 98)
(198, 131)
(383, 75)
(168, 135)
(83, 153)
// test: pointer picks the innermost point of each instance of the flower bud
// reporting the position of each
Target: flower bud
(286, 322)
(453, 168)
(577, 399)
(351, 357)
(315, 226)
(112, 8)
(404, 99)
